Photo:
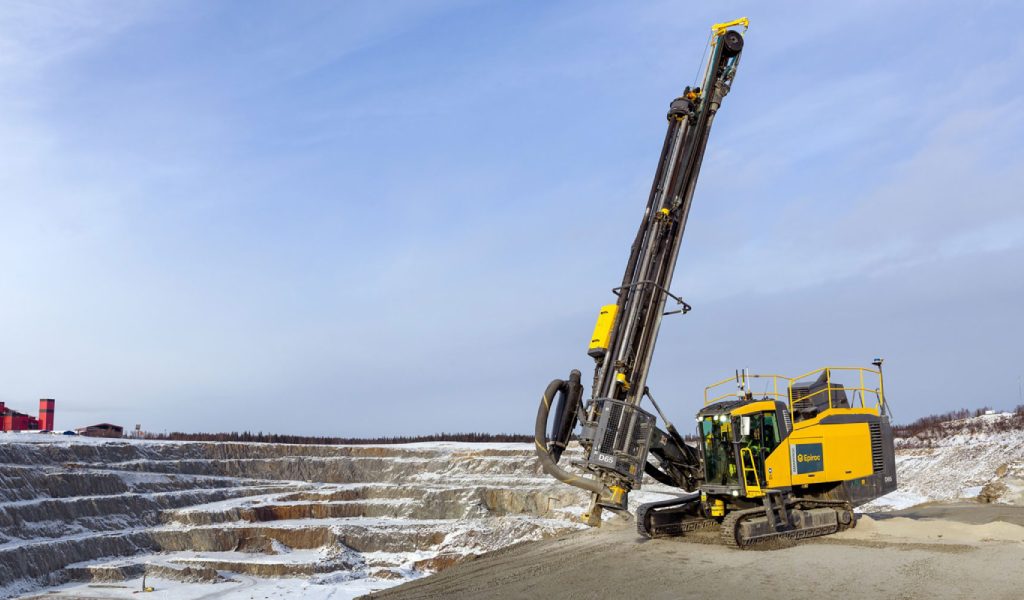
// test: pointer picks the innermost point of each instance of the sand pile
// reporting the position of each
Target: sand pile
(933, 531)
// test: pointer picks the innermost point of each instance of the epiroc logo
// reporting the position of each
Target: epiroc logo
(807, 458)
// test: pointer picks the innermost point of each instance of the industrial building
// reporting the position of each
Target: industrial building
(102, 430)
(12, 420)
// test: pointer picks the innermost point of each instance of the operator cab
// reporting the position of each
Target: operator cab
(735, 439)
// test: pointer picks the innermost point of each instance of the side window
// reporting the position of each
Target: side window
(756, 429)
(771, 430)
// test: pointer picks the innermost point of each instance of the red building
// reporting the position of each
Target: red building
(46, 414)
(12, 420)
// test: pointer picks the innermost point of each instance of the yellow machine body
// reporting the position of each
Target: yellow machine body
(802, 435)
(845, 451)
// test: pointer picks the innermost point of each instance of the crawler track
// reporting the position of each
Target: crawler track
(730, 532)
(673, 517)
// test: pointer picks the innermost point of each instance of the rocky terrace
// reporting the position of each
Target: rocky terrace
(76, 509)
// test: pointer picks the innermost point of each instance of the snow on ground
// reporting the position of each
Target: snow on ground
(897, 500)
(241, 587)
(46, 437)
(57, 438)
(960, 463)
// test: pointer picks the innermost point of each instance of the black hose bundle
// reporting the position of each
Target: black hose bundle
(547, 461)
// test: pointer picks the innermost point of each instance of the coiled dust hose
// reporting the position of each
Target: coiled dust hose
(546, 461)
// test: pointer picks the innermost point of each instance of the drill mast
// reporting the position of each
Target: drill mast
(621, 372)
(617, 434)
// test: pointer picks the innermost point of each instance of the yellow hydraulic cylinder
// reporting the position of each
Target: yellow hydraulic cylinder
(602, 330)
(720, 28)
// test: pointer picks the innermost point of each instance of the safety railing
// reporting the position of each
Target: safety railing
(861, 387)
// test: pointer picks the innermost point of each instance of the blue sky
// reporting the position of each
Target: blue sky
(364, 218)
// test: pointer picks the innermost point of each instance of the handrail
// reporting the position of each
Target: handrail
(861, 390)
(816, 371)
(840, 388)
(753, 491)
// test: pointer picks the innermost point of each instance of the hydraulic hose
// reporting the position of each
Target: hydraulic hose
(546, 461)
(566, 415)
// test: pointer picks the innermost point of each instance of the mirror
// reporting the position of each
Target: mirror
(744, 426)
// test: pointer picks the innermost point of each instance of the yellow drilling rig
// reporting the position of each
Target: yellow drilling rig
(788, 460)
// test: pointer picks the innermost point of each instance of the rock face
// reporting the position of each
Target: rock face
(975, 458)
(72, 508)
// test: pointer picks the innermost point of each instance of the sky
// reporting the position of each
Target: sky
(400, 217)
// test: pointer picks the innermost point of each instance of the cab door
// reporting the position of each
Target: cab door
(759, 436)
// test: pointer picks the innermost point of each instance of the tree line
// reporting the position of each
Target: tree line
(932, 424)
(277, 438)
